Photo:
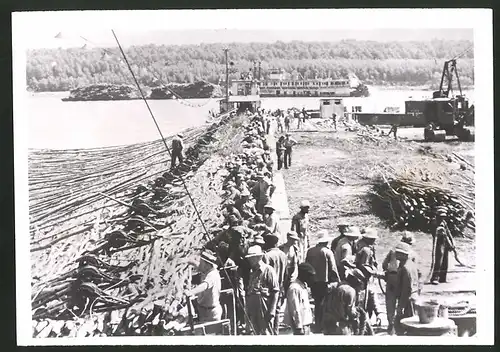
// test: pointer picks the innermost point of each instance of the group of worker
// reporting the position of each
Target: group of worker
(271, 270)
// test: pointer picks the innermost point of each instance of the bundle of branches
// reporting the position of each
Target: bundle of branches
(411, 205)
(159, 234)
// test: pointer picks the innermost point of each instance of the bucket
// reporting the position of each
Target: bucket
(427, 311)
(443, 311)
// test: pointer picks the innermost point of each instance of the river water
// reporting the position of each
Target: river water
(55, 124)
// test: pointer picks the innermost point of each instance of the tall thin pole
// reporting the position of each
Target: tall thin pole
(227, 79)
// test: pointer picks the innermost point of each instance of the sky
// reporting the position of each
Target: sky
(209, 26)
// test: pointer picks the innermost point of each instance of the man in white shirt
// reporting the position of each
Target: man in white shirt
(298, 313)
(208, 292)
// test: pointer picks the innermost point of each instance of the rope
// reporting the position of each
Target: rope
(180, 176)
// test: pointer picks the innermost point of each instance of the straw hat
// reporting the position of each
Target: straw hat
(292, 235)
(407, 237)
(254, 251)
(245, 192)
(269, 206)
(323, 236)
(305, 204)
(403, 248)
(209, 257)
(258, 240)
(370, 233)
(352, 232)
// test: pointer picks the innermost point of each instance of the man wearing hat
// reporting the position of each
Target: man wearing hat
(407, 287)
(443, 245)
(245, 205)
(288, 143)
(262, 293)
(291, 250)
(231, 210)
(176, 150)
(342, 229)
(263, 191)
(365, 254)
(208, 291)
(344, 253)
(390, 268)
(323, 261)
(298, 313)
(272, 220)
(340, 313)
(258, 240)
(278, 261)
(300, 224)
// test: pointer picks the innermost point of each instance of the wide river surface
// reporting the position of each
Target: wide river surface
(55, 124)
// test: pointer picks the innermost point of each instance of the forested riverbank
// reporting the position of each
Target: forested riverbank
(380, 63)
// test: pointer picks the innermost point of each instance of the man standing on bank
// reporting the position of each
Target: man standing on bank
(176, 152)
(444, 244)
(300, 224)
(288, 143)
(262, 293)
(322, 260)
(208, 292)
(298, 312)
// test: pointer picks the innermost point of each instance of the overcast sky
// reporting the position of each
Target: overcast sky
(223, 26)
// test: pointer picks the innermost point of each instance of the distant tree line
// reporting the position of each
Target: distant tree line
(384, 63)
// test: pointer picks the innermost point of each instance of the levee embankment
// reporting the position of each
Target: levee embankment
(113, 231)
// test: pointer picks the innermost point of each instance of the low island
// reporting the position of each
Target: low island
(96, 92)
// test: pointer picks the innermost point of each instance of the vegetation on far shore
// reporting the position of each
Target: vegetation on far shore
(375, 63)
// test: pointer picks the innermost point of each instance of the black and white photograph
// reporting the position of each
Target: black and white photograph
(202, 176)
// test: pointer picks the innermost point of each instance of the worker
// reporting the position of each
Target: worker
(390, 268)
(365, 249)
(176, 152)
(263, 191)
(300, 224)
(280, 151)
(288, 143)
(341, 315)
(291, 251)
(262, 293)
(287, 120)
(245, 205)
(268, 124)
(272, 220)
(407, 286)
(322, 260)
(334, 120)
(304, 114)
(394, 129)
(278, 261)
(344, 252)
(208, 292)
(342, 227)
(296, 115)
(444, 244)
(279, 122)
(366, 297)
(298, 313)
(280, 156)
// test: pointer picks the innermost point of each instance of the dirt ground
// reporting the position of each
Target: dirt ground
(358, 161)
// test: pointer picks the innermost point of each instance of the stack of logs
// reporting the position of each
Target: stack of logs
(157, 237)
(409, 205)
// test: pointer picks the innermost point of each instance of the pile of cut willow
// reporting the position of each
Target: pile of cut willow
(124, 271)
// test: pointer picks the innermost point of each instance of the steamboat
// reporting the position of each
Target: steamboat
(279, 83)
